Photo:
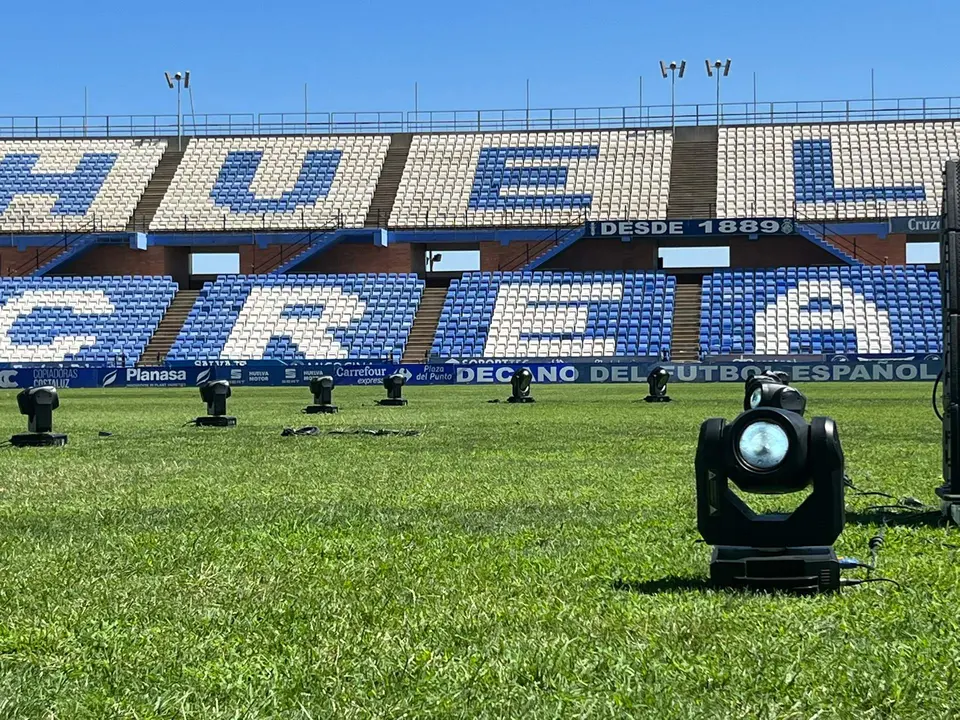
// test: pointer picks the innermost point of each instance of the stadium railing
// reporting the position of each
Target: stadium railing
(613, 117)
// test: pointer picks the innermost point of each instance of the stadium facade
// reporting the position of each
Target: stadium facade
(332, 231)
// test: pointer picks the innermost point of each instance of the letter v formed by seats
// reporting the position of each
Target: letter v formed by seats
(232, 187)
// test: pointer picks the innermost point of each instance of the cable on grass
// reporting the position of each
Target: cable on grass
(864, 581)
(933, 398)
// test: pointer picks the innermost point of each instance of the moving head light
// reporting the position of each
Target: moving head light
(215, 393)
(775, 395)
(771, 451)
(657, 381)
(322, 390)
(394, 385)
(38, 404)
(520, 386)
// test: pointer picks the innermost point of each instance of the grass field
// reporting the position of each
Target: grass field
(508, 562)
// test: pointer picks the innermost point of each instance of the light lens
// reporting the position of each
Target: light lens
(755, 397)
(763, 445)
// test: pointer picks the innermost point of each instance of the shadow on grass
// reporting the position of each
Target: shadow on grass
(672, 583)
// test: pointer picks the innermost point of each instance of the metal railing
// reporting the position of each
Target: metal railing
(425, 121)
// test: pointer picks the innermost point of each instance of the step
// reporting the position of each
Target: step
(381, 206)
(169, 328)
(420, 339)
(157, 188)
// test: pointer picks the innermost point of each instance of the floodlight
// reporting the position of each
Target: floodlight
(726, 67)
(38, 404)
(186, 80)
(169, 80)
(683, 66)
(657, 380)
(394, 385)
(322, 389)
(520, 384)
(773, 394)
(215, 393)
(663, 68)
(770, 451)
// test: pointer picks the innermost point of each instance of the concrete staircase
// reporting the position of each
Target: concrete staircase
(169, 328)
(693, 173)
(685, 344)
(156, 188)
(383, 197)
(425, 324)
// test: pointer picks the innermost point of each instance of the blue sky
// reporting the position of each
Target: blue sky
(248, 56)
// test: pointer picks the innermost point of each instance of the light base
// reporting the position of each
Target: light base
(661, 399)
(800, 570)
(320, 409)
(949, 504)
(389, 402)
(39, 440)
(513, 399)
(216, 421)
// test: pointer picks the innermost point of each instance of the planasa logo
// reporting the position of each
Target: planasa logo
(110, 378)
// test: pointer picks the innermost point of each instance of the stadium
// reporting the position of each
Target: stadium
(426, 483)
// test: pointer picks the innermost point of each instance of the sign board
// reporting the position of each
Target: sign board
(689, 228)
(915, 225)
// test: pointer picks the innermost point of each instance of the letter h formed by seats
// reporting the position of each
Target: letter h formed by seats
(75, 191)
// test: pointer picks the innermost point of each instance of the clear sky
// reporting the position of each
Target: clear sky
(255, 56)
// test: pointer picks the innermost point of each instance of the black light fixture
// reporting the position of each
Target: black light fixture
(322, 389)
(38, 404)
(770, 451)
(773, 394)
(215, 393)
(520, 386)
(657, 380)
(394, 385)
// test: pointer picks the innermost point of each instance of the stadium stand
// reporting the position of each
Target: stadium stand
(551, 315)
(307, 317)
(91, 319)
(864, 309)
(489, 179)
(69, 185)
(835, 171)
(232, 183)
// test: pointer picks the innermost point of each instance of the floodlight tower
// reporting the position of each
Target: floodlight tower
(715, 69)
(674, 71)
(182, 79)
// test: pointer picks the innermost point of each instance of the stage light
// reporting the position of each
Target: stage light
(215, 393)
(520, 385)
(38, 404)
(394, 385)
(770, 451)
(657, 380)
(322, 389)
(773, 394)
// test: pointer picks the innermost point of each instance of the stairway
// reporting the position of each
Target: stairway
(169, 328)
(382, 205)
(156, 188)
(425, 324)
(693, 174)
(685, 344)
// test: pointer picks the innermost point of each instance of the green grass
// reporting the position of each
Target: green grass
(509, 562)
